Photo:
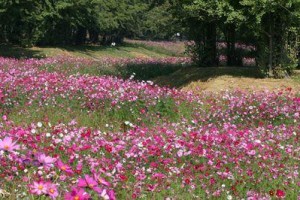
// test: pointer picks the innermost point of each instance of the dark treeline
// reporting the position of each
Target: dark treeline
(271, 26)
(54, 22)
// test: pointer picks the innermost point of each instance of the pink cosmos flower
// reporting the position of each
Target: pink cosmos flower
(112, 195)
(158, 176)
(89, 182)
(39, 188)
(251, 152)
(152, 187)
(101, 180)
(47, 161)
(8, 145)
(79, 168)
(52, 190)
(104, 194)
(64, 167)
(77, 194)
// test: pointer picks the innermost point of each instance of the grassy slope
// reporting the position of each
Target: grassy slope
(197, 79)
(222, 78)
(88, 51)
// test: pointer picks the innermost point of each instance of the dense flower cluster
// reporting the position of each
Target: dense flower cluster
(234, 145)
(29, 80)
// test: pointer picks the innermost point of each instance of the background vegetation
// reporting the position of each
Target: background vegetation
(270, 28)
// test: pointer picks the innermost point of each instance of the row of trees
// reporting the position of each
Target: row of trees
(272, 26)
(44, 22)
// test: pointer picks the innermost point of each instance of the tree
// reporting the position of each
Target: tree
(231, 20)
(22, 21)
(272, 25)
(201, 21)
(53, 22)
(158, 23)
(273, 20)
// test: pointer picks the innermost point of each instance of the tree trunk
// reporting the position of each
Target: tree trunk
(231, 40)
(210, 59)
(80, 36)
(94, 36)
(270, 35)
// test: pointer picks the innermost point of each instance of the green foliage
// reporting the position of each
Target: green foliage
(275, 24)
(55, 22)
(159, 23)
(22, 22)
(272, 26)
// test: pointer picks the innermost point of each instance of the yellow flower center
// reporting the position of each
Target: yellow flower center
(40, 187)
(6, 147)
(91, 185)
(76, 198)
(63, 168)
(51, 191)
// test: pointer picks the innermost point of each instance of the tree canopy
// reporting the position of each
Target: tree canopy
(271, 26)
(45, 22)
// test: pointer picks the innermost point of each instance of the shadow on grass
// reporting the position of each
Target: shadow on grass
(98, 51)
(178, 76)
(147, 71)
(94, 51)
(124, 47)
(84, 48)
(12, 51)
(92, 48)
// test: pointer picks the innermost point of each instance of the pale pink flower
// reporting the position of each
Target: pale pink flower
(47, 161)
(52, 190)
(39, 188)
(8, 145)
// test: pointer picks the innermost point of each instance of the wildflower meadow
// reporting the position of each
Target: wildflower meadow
(65, 134)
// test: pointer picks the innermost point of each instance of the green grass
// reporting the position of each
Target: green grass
(103, 116)
(296, 76)
(88, 51)
(186, 75)
(159, 49)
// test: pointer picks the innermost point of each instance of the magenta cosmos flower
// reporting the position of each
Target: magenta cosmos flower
(89, 182)
(280, 193)
(77, 194)
(52, 190)
(101, 180)
(64, 167)
(8, 145)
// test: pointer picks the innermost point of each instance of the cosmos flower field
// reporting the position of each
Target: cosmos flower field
(70, 135)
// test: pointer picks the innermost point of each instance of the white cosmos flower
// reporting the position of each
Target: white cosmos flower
(39, 124)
